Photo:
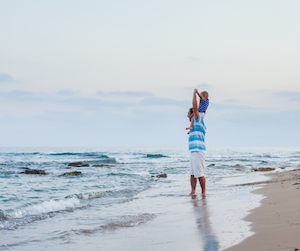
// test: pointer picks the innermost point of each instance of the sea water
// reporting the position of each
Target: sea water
(122, 204)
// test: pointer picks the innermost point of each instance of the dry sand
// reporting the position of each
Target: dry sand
(276, 223)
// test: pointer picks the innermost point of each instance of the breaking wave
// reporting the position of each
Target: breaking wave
(156, 156)
(40, 208)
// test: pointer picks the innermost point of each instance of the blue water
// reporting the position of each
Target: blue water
(107, 206)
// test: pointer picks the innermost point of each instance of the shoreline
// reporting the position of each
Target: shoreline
(276, 223)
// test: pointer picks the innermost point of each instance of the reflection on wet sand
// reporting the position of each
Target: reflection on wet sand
(201, 210)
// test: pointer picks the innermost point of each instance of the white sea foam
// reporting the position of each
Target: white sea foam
(44, 207)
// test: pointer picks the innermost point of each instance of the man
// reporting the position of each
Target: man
(197, 147)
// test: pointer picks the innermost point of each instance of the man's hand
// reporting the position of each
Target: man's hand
(195, 91)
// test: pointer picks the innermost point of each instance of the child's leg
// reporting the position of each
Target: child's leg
(191, 126)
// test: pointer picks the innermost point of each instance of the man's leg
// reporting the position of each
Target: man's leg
(193, 185)
(202, 184)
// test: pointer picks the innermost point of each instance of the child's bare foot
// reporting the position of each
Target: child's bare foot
(189, 128)
(188, 133)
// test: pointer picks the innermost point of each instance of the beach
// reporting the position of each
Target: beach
(276, 223)
(119, 200)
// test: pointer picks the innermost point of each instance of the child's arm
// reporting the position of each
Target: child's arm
(200, 95)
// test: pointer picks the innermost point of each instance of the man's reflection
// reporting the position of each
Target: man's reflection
(202, 219)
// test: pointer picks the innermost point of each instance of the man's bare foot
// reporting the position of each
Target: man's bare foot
(204, 195)
(189, 128)
(192, 193)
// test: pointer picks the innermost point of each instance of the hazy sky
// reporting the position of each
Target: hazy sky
(122, 73)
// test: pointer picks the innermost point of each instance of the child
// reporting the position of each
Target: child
(204, 102)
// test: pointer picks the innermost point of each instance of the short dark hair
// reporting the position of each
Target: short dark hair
(191, 111)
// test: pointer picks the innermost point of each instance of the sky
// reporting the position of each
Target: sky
(122, 73)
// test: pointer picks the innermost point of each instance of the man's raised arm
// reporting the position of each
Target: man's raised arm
(195, 104)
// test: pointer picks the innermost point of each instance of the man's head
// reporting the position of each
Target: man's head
(204, 94)
(190, 114)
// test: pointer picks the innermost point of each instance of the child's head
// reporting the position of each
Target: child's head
(204, 94)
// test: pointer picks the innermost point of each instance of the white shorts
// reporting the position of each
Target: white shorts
(197, 160)
(202, 114)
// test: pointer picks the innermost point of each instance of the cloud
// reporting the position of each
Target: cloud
(19, 95)
(164, 102)
(125, 94)
(95, 103)
(65, 92)
(230, 101)
(204, 85)
(67, 101)
(200, 87)
(228, 107)
(294, 96)
(5, 78)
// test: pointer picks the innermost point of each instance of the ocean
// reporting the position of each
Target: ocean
(119, 202)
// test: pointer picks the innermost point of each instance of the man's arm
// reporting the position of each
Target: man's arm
(195, 104)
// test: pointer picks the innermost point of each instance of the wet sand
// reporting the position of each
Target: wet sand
(276, 223)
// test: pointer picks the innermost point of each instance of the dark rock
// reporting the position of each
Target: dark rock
(75, 164)
(102, 165)
(75, 173)
(32, 171)
(78, 164)
(239, 169)
(211, 165)
(237, 165)
(264, 161)
(263, 169)
(163, 175)
(283, 167)
(68, 167)
(24, 168)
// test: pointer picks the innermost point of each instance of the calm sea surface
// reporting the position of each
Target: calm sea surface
(121, 204)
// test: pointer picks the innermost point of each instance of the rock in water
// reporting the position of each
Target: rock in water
(75, 164)
(32, 171)
(102, 165)
(78, 164)
(75, 173)
(263, 169)
(283, 167)
(163, 175)
(211, 165)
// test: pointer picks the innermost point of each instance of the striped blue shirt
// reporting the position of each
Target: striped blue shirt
(197, 135)
(203, 105)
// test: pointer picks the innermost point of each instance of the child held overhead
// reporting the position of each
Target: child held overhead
(204, 102)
